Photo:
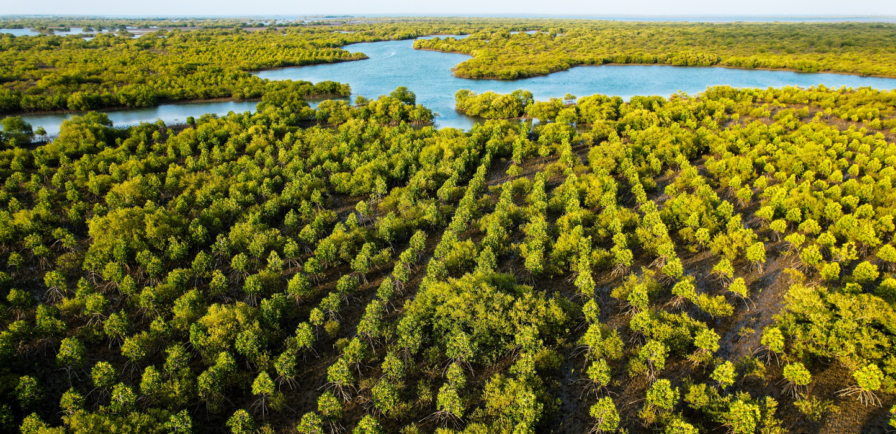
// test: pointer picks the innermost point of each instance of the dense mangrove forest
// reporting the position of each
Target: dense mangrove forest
(693, 263)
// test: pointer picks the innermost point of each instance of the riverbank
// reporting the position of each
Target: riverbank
(719, 65)
(123, 108)
(468, 77)
(353, 59)
(319, 97)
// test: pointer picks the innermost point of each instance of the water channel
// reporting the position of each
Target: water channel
(71, 31)
(428, 74)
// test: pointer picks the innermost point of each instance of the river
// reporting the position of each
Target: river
(428, 75)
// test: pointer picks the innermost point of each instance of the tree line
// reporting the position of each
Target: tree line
(855, 48)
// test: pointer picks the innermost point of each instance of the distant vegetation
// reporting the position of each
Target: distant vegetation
(42, 73)
(693, 264)
(855, 48)
(68, 73)
(45, 73)
(109, 23)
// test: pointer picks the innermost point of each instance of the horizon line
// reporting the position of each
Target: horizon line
(449, 15)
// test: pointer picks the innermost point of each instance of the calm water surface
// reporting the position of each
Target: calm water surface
(29, 32)
(428, 74)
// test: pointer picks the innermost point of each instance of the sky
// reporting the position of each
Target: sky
(592, 8)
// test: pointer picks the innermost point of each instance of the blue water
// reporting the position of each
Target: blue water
(171, 114)
(29, 32)
(428, 74)
(20, 32)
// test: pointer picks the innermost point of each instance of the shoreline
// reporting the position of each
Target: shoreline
(446, 52)
(121, 109)
(254, 71)
(854, 74)
(406, 39)
(161, 103)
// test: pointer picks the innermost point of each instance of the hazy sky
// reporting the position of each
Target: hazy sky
(466, 7)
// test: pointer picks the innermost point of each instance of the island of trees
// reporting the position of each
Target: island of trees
(853, 48)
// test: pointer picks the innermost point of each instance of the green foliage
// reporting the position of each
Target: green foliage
(264, 389)
(385, 397)
(311, 423)
(595, 43)
(104, 375)
(743, 417)
(287, 369)
(773, 339)
(151, 382)
(724, 269)
(180, 423)
(605, 415)
(368, 425)
(724, 374)
(393, 367)
(340, 378)
(858, 348)
(602, 343)
(177, 71)
(241, 423)
(865, 273)
(329, 407)
(707, 340)
(887, 253)
(651, 359)
(490, 105)
(599, 373)
(151, 420)
(123, 399)
(449, 402)
(28, 392)
(868, 378)
(816, 409)
(797, 374)
(739, 288)
(15, 132)
(756, 255)
(498, 310)
(830, 271)
(715, 306)
(71, 402)
(679, 426)
(661, 399)
(71, 353)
